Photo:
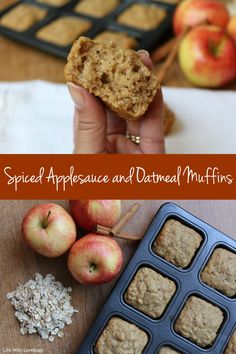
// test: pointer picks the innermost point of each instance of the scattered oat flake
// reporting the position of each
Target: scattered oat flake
(42, 305)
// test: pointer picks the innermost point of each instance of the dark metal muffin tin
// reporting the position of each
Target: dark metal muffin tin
(161, 331)
(146, 39)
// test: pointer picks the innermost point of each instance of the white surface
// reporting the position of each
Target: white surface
(36, 117)
(206, 121)
(232, 7)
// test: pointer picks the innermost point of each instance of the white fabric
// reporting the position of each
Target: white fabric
(206, 121)
(37, 116)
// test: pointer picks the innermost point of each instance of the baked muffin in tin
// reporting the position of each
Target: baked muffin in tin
(121, 337)
(22, 17)
(142, 16)
(150, 292)
(220, 271)
(199, 321)
(64, 30)
(177, 243)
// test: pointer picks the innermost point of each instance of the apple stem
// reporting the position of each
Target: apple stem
(45, 222)
(92, 267)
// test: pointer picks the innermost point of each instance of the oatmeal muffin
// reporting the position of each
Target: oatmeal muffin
(5, 3)
(168, 350)
(220, 271)
(121, 337)
(199, 321)
(177, 243)
(169, 118)
(142, 16)
(116, 75)
(96, 8)
(170, 1)
(231, 347)
(150, 292)
(22, 17)
(55, 3)
(123, 40)
(64, 30)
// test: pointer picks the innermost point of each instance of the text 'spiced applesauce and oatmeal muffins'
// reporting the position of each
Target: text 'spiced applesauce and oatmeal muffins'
(154, 299)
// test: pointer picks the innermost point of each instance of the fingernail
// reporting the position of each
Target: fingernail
(77, 95)
(143, 51)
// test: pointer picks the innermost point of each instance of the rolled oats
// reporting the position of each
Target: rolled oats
(42, 306)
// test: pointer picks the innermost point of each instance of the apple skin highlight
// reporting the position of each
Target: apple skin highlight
(95, 259)
(191, 13)
(89, 213)
(48, 229)
(231, 28)
(207, 56)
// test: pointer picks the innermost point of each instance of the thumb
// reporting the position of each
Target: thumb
(89, 122)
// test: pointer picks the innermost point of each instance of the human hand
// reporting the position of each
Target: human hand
(98, 130)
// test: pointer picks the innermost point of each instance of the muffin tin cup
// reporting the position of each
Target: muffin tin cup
(148, 40)
(161, 331)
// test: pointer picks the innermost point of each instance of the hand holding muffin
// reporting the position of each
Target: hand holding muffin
(127, 89)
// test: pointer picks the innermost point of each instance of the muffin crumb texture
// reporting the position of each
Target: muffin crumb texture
(150, 292)
(114, 74)
(121, 337)
(231, 347)
(220, 271)
(177, 243)
(199, 321)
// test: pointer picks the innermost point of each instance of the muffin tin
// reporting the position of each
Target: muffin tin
(188, 282)
(146, 39)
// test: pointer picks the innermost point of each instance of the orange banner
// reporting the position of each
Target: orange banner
(117, 177)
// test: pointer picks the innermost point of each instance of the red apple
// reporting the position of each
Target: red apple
(48, 229)
(89, 213)
(231, 28)
(191, 13)
(207, 56)
(95, 259)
